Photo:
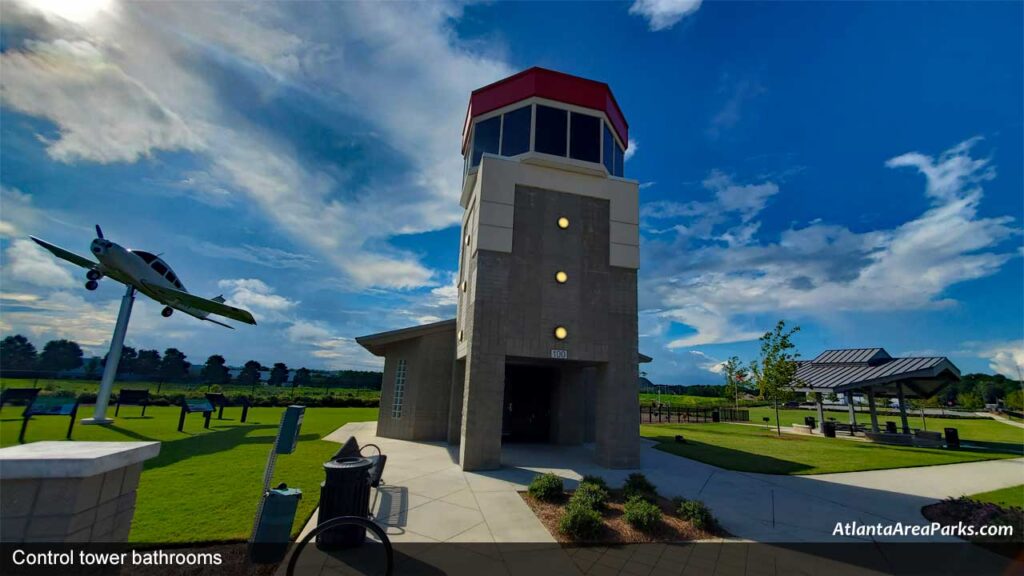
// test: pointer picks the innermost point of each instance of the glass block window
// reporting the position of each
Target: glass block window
(396, 405)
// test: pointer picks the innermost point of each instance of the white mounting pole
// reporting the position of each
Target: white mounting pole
(99, 415)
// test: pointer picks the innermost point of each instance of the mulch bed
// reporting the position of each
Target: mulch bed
(616, 529)
(952, 511)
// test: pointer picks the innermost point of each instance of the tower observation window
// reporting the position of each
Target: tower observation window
(515, 134)
(619, 160)
(609, 150)
(551, 131)
(585, 137)
(485, 138)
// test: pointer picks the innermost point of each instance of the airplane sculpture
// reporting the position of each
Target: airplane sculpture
(148, 274)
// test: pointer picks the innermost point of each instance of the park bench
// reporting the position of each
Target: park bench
(188, 406)
(351, 448)
(131, 397)
(18, 396)
(221, 401)
(926, 439)
(851, 429)
(49, 406)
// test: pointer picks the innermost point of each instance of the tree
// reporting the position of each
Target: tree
(173, 365)
(278, 374)
(92, 367)
(127, 362)
(250, 374)
(214, 371)
(735, 376)
(775, 370)
(147, 363)
(17, 353)
(302, 378)
(60, 355)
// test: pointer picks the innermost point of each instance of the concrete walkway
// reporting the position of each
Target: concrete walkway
(1005, 420)
(440, 517)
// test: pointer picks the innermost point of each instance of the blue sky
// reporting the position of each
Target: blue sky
(853, 168)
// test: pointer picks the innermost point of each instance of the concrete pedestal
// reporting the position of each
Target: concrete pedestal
(70, 491)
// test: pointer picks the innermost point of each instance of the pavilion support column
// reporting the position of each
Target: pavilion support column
(903, 409)
(821, 412)
(872, 411)
(849, 406)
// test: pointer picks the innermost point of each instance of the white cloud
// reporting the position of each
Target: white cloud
(29, 263)
(822, 268)
(708, 363)
(397, 68)
(631, 147)
(257, 297)
(1006, 358)
(18, 215)
(103, 114)
(262, 255)
(664, 14)
(335, 351)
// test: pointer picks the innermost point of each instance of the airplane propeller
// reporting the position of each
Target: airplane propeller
(99, 231)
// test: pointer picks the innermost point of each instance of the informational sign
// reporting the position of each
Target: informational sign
(559, 354)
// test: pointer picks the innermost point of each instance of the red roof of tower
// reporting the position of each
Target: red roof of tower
(548, 84)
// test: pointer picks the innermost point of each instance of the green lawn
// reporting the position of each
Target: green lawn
(80, 386)
(205, 484)
(1012, 496)
(753, 449)
(984, 432)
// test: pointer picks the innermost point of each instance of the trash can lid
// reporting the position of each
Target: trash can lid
(348, 463)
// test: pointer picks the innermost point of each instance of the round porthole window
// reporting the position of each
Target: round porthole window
(563, 222)
(561, 333)
(561, 277)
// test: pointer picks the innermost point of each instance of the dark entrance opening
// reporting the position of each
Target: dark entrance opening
(526, 413)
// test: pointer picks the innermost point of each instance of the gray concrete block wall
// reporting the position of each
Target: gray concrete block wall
(513, 304)
(97, 508)
(428, 386)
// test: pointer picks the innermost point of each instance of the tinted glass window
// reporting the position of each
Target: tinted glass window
(609, 150)
(619, 160)
(585, 138)
(485, 138)
(147, 257)
(171, 277)
(159, 267)
(515, 135)
(551, 125)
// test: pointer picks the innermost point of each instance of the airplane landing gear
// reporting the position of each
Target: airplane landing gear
(93, 275)
(167, 311)
(91, 285)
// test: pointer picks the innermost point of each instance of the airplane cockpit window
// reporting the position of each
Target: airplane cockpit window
(171, 277)
(159, 267)
(147, 257)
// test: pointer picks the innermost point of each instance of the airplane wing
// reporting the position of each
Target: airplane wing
(179, 297)
(66, 254)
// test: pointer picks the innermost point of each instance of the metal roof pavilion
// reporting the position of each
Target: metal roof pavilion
(862, 369)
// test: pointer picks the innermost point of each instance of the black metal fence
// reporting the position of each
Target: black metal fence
(653, 414)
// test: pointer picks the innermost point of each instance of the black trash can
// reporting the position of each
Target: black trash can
(345, 492)
(890, 427)
(828, 429)
(809, 421)
(716, 416)
(952, 438)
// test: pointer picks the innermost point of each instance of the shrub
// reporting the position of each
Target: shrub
(638, 485)
(590, 495)
(641, 514)
(547, 487)
(580, 522)
(597, 480)
(697, 513)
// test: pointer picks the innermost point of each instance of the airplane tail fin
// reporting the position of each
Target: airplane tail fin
(219, 299)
